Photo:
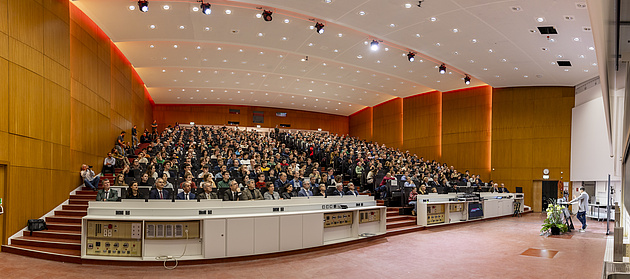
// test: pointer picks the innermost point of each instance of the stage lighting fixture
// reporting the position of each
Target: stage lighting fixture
(411, 56)
(319, 27)
(267, 15)
(467, 80)
(442, 69)
(205, 8)
(374, 45)
(143, 5)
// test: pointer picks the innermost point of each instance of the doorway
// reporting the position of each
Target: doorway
(549, 191)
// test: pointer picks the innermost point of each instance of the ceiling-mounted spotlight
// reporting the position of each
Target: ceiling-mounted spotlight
(304, 59)
(205, 8)
(143, 5)
(467, 79)
(266, 15)
(319, 27)
(374, 45)
(442, 69)
(420, 4)
(411, 56)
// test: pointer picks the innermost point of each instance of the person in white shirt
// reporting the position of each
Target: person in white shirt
(109, 163)
(89, 178)
(582, 201)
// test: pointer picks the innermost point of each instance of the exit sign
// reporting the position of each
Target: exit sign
(0, 201)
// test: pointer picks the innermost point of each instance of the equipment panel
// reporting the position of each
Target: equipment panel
(172, 230)
(337, 219)
(366, 216)
(456, 207)
(435, 218)
(114, 238)
(435, 208)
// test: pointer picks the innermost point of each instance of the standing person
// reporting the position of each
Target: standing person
(154, 127)
(412, 200)
(134, 137)
(120, 143)
(582, 201)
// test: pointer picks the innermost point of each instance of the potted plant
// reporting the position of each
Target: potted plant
(553, 223)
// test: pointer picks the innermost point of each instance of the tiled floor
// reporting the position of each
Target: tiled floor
(487, 249)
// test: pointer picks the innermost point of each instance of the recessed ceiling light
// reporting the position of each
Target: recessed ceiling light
(474, 41)
(310, 44)
(540, 19)
(392, 25)
(163, 71)
(132, 7)
(284, 38)
(553, 63)
(471, 61)
(418, 35)
(586, 71)
(490, 50)
(166, 7)
(175, 46)
(503, 60)
(228, 12)
(339, 35)
(151, 46)
(258, 15)
(455, 53)
(581, 56)
(576, 39)
(560, 56)
(361, 13)
(515, 68)
(260, 34)
(152, 26)
(594, 64)
(552, 40)
(207, 28)
(566, 70)
(485, 69)
(525, 76)
(335, 50)
(195, 9)
(359, 56)
(591, 48)
(182, 27)
(219, 48)
(327, 1)
(437, 44)
(455, 30)
(433, 19)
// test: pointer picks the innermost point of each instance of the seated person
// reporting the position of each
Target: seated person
(234, 193)
(351, 191)
(382, 188)
(306, 190)
(270, 194)
(208, 191)
(453, 189)
(503, 189)
(167, 184)
(288, 192)
(338, 190)
(423, 190)
(225, 181)
(120, 180)
(412, 200)
(106, 194)
(251, 193)
(186, 194)
(108, 164)
(145, 180)
(434, 190)
(261, 181)
(159, 193)
(322, 191)
(89, 178)
(410, 183)
(281, 182)
(296, 181)
(133, 193)
(188, 178)
(495, 188)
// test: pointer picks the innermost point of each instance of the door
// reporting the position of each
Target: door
(549, 192)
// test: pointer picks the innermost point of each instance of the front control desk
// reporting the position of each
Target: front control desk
(440, 209)
(135, 230)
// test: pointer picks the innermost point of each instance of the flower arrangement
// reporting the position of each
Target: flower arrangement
(554, 219)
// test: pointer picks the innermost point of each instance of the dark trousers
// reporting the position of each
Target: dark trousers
(581, 215)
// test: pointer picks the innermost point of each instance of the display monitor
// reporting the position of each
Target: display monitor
(475, 211)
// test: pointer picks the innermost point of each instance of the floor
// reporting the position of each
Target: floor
(502, 248)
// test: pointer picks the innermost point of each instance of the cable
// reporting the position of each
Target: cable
(166, 258)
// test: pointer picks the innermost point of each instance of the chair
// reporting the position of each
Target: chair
(517, 208)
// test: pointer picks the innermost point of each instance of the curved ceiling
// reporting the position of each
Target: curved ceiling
(234, 57)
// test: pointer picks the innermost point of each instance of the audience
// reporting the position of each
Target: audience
(133, 193)
(208, 192)
(270, 194)
(106, 194)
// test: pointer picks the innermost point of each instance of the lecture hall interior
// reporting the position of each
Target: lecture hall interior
(314, 138)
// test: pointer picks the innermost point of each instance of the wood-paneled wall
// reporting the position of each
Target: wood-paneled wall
(466, 129)
(361, 124)
(60, 74)
(422, 125)
(388, 123)
(531, 131)
(219, 115)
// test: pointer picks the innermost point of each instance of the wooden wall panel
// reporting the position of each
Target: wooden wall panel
(422, 125)
(466, 130)
(531, 131)
(360, 124)
(219, 115)
(388, 123)
(58, 107)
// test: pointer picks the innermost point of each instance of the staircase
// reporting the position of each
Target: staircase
(399, 224)
(62, 241)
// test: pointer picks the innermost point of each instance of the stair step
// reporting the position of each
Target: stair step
(405, 229)
(74, 207)
(47, 242)
(398, 224)
(79, 202)
(71, 212)
(82, 197)
(75, 227)
(54, 254)
(392, 213)
(55, 234)
(400, 218)
(86, 192)
(392, 209)
(64, 219)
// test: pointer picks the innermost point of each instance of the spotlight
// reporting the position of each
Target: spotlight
(467, 79)
(411, 56)
(267, 15)
(143, 5)
(205, 8)
(374, 45)
(319, 27)
(442, 69)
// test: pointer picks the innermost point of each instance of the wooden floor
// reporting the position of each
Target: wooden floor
(501, 248)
